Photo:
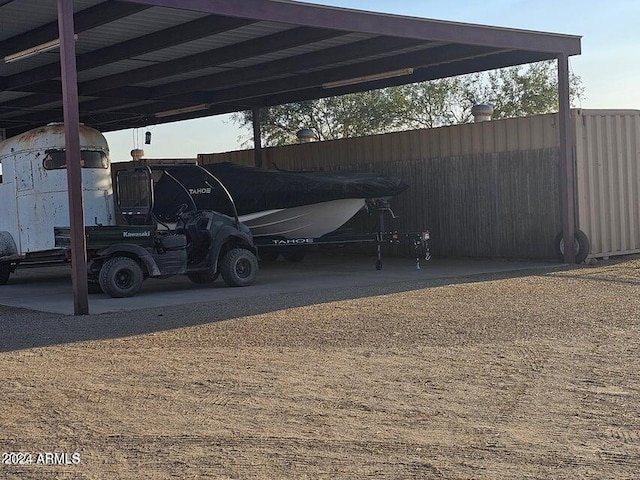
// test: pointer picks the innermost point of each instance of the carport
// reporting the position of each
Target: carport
(122, 64)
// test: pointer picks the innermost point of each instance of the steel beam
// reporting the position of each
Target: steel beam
(72, 147)
(567, 162)
(257, 137)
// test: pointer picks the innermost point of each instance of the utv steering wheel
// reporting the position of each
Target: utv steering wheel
(183, 207)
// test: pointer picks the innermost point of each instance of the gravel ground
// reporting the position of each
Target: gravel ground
(530, 375)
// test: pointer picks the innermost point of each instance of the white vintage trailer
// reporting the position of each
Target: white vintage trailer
(34, 193)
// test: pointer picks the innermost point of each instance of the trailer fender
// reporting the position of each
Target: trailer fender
(133, 251)
(7, 245)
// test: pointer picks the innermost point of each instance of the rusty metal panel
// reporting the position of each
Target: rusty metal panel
(608, 179)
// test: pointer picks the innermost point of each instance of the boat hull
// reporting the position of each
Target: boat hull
(306, 221)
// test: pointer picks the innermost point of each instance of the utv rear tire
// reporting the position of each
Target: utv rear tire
(239, 267)
(5, 272)
(121, 277)
(202, 277)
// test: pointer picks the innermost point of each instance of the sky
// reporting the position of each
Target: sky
(609, 65)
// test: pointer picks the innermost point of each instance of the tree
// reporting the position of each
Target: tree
(358, 114)
(514, 91)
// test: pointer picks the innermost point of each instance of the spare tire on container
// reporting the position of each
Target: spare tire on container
(582, 246)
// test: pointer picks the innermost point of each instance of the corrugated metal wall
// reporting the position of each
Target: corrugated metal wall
(450, 171)
(608, 179)
(487, 190)
(518, 134)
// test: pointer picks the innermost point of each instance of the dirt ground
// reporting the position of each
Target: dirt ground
(497, 377)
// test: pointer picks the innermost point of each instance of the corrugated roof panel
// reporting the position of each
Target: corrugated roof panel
(21, 16)
(301, 50)
(27, 15)
(369, 58)
(230, 37)
(133, 26)
(28, 63)
(6, 96)
(22, 111)
(183, 76)
(110, 69)
(129, 108)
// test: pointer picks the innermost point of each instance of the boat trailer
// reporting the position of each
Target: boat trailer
(293, 249)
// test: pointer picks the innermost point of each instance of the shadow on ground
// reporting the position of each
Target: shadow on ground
(24, 328)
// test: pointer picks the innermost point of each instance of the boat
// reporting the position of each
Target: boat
(275, 203)
(306, 221)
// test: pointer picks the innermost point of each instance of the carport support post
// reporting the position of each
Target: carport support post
(567, 169)
(72, 148)
(257, 137)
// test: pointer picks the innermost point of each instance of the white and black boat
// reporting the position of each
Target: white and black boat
(275, 203)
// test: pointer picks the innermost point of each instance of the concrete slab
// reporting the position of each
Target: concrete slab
(49, 289)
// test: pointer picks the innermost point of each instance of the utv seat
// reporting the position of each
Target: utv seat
(173, 242)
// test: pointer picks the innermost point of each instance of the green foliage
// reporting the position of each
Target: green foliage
(513, 92)
(517, 92)
(358, 114)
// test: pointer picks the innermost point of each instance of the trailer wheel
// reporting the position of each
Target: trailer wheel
(5, 272)
(202, 277)
(121, 277)
(582, 246)
(268, 254)
(293, 254)
(239, 267)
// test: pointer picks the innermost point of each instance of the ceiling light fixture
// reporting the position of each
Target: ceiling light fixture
(178, 111)
(368, 78)
(30, 52)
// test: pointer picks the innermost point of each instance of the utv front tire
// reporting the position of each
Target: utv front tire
(239, 267)
(121, 277)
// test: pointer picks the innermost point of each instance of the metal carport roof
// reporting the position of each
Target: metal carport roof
(144, 62)
(141, 62)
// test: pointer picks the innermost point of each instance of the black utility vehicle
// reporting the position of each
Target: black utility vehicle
(200, 244)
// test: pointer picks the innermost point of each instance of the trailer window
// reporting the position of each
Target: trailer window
(56, 159)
